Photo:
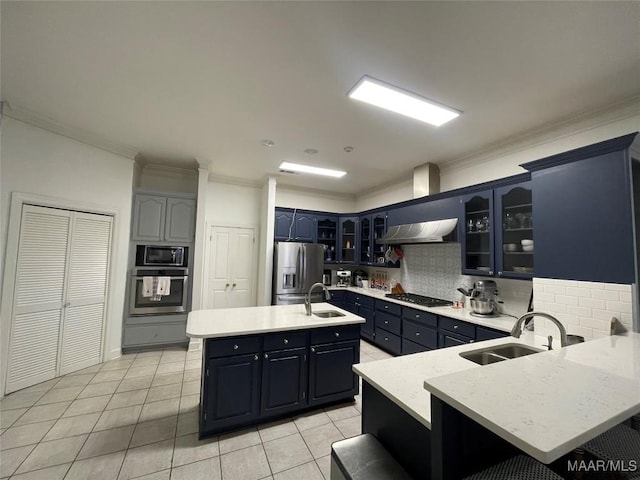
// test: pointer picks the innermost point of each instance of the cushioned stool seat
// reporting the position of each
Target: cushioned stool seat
(363, 458)
(516, 468)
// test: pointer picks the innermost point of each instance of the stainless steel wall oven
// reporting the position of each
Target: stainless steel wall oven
(175, 302)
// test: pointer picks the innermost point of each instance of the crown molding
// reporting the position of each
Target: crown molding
(30, 117)
(567, 127)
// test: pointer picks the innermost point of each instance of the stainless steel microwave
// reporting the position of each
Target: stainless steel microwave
(161, 256)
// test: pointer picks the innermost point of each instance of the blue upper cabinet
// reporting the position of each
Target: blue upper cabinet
(284, 225)
(298, 226)
(513, 214)
(366, 238)
(583, 213)
(348, 240)
(305, 227)
(477, 233)
(327, 234)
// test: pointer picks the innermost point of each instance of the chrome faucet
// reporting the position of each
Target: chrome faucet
(307, 297)
(517, 328)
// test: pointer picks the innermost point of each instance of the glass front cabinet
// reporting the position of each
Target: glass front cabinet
(514, 240)
(372, 227)
(497, 238)
(348, 240)
(328, 236)
(477, 239)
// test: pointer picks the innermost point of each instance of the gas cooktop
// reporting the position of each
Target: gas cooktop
(419, 299)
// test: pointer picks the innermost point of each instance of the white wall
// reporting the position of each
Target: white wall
(233, 205)
(38, 162)
(167, 179)
(314, 200)
(386, 195)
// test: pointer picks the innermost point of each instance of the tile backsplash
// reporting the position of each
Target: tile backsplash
(434, 270)
(584, 308)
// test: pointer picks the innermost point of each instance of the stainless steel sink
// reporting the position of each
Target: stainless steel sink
(499, 353)
(328, 314)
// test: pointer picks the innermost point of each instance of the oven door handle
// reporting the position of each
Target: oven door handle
(180, 277)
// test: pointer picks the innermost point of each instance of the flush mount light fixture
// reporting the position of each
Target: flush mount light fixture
(397, 100)
(310, 151)
(295, 167)
(267, 143)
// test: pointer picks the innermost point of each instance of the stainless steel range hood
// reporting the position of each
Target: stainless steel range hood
(424, 232)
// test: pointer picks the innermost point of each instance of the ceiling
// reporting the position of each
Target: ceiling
(180, 81)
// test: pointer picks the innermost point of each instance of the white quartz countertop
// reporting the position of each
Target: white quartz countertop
(401, 379)
(226, 322)
(549, 403)
(503, 323)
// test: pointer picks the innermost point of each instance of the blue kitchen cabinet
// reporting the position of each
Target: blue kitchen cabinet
(484, 333)
(366, 240)
(513, 206)
(231, 393)
(373, 227)
(419, 331)
(327, 235)
(364, 307)
(295, 226)
(330, 375)
(283, 227)
(477, 233)
(284, 380)
(340, 298)
(388, 326)
(348, 240)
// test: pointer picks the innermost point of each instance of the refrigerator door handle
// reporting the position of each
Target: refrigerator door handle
(303, 272)
(300, 284)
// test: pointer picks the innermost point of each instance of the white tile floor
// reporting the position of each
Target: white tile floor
(137, 417)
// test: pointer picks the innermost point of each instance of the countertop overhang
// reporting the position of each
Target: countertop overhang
(228, 322)
(549, 403)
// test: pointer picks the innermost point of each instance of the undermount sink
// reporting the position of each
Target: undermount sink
(499, 353)
(328, 314)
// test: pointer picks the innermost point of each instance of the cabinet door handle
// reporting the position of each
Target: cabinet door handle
(233, 285)
(266, 355)
(255, 357)
(313, 349)
(417, 334)
(490, 272)
(386, 307)
(386, 339)
(417, 315)
(226, 285)
(455, 327)
(500, 273)
(286, 341)
(386, 322)
(337, 334)
(235, 347)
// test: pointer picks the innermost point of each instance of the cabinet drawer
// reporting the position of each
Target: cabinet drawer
(420, 334)
(285, 340)
(420, 316)
(457, 326)
(389, 341)
(335, 334)
(225, 347)
(409, 347)
(155, 334)
(364, 300)
(392, 308)
(489, 334)
(388, 322)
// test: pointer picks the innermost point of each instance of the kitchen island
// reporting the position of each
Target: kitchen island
(261, 363)
(470, 415)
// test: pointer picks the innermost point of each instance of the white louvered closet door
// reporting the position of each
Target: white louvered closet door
(87, 275)
(38, 296)
(59, 300)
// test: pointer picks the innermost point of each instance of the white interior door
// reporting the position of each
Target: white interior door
(57, 319)
(81, 340)
(39, 296)
(232, 259)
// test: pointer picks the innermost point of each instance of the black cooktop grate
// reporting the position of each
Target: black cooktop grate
(419, 299)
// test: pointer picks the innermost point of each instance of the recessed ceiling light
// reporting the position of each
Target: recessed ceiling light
(295, 167)
(397, 100)
(267, 143)
(310, 151)
(348, 149)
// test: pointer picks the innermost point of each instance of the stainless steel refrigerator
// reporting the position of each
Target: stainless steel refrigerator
(296, 266)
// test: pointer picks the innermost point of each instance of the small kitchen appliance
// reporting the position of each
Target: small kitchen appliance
(483, 299)
(326, 278)
(360, 275)
(344, 278)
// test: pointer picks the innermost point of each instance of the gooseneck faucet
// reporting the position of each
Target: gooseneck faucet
(517, 328)
(307, 297)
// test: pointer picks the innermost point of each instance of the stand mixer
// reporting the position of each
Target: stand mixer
(483, 301)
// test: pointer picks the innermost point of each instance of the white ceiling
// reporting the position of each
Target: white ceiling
(178, 81)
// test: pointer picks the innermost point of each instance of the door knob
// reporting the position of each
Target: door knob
(226, 285)
(234, 285)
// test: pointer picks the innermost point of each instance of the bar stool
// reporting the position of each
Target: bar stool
(620, 444)
(516, 468)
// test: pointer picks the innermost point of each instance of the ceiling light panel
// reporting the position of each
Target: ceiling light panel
(397, 100)
(295, 167)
